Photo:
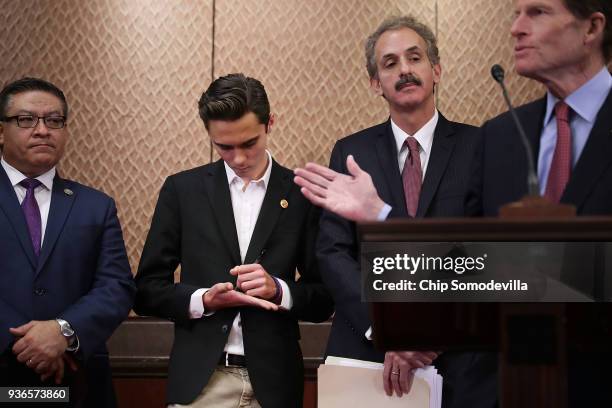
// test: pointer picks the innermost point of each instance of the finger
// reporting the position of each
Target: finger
(322, 171)
(250, 276)
(253, 284)
(25, 355)
(71, 362)
(243, 269)
(405, 378)
(395, 381)
(219, 288)
(41, 367)
(312, 197)
(352, 166)
(22, 330)
(316, 179)
(312, 188)
(20, 345)
(432, 355)
(59, 373)
(387, 374)
(253, 301)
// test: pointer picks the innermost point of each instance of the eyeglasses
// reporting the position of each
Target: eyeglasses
(29, 121)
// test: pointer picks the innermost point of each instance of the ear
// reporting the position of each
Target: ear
(271, 121)
(595, 32)
(437, 73)
(375, 86)
(1, 135)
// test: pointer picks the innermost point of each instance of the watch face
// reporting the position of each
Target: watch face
(66, 329)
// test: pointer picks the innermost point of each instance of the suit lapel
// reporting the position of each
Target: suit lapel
(62, 199)
(532, 119)
(215, 182)
(441, 150)
(386, 150)
(594, 160)
(9, 204)
(278, 189)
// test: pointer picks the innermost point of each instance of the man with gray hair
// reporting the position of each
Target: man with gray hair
(418, 164)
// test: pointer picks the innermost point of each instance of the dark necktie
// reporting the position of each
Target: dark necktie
(560, 167)
(32, 213)
(412, 176)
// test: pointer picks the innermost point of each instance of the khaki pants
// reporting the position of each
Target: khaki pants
(228, 387)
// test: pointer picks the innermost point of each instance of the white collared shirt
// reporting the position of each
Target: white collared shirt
(246, 204)
(424, 136)
(42, 193)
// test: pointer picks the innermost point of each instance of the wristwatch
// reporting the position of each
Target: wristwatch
(68, 332)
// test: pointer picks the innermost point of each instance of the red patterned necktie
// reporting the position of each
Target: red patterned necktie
(32, 213)
(412, 176)
(560, 167)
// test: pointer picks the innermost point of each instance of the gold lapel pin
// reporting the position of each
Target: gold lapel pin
(68, 192)
(284, 203)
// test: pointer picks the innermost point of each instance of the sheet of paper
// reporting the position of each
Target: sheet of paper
(355, 383)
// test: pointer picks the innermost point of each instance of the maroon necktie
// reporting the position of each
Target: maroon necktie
(32, 213)
(412, 176)
(560, 167)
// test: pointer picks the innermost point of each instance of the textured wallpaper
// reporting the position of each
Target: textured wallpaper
(133, 71)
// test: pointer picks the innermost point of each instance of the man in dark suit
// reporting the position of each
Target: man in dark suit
(418, 163)
(65, 283)
(238, 228)
(566, 49)
(563, 44)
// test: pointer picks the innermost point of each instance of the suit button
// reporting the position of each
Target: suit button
(224, 328)
(39, 291)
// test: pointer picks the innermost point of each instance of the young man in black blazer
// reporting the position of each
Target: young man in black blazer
(238, 228)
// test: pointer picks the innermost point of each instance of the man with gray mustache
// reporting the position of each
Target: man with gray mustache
(419, 164)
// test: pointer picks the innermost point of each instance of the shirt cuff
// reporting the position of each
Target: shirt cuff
(368, 334)
(384, 212)
(196, 304)
(287, 299)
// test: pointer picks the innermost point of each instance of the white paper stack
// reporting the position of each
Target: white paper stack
(346, 382)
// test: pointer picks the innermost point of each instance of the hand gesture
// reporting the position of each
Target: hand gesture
(352, 196)
(223, 295)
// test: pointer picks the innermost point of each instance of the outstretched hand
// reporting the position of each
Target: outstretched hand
(351, 196)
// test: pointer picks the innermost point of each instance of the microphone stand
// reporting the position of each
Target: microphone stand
(533, 204)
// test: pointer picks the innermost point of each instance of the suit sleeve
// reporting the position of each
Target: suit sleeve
(9, 317)
(157, 294)
(97, 314)
(337, 255)
(473, 198)
(311, 300)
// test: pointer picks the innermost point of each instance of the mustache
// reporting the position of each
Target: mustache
(407, 79)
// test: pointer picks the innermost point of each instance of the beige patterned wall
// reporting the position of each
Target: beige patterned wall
(133, 71)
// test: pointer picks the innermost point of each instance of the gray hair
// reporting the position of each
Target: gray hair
(396, 23)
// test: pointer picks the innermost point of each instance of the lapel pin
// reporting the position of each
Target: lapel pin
(68, 192)
(284, 203)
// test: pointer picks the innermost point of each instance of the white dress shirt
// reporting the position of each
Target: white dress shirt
(42, 193)
(425, 137)
(246, 204)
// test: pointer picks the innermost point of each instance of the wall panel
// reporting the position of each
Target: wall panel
(309, 56)
(473, 35)
(132, 71)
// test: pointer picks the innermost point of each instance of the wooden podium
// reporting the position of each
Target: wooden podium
(533, 339)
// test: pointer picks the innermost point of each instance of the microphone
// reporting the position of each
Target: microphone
(533, 188)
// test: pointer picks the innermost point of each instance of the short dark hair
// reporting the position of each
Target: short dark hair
(584, 8)
(397, 23)
(29, 84)
(231, 97)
